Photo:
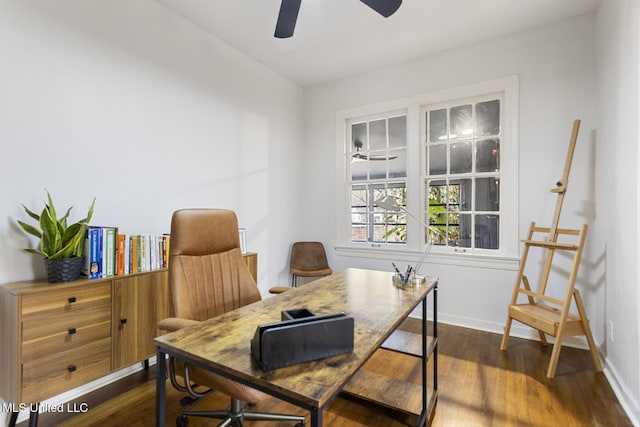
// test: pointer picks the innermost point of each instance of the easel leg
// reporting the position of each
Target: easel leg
(505, 336)
(587, 331)
(555, 354)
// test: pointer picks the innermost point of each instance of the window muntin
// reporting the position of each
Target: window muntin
(463, 172)
(377, 166)
(370, 224)
(418, 133)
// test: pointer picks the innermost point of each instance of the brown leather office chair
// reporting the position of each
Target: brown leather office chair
(208, 277)
(308, 259)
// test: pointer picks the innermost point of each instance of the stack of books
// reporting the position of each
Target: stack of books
(109, 253)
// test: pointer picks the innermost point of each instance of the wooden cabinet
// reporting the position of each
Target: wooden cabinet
(251, 259)
(59, 336)
(65, 340)
(55, 337)
(139, 303)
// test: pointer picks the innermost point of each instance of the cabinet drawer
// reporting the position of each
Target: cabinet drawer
(65, 300)
(63, 332)
(63, 371)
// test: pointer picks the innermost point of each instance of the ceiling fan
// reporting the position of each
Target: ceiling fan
(289, 14)
(358, 156)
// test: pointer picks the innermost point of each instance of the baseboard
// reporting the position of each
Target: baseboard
(517, 330)
(630, 406)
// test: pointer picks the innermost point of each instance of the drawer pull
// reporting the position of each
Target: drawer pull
(72, 300)
(123, 321)
(71, 368)
(72, 331)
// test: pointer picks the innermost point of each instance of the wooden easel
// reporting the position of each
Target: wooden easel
(552, 316)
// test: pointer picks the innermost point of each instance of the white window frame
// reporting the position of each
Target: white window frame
(416, 155)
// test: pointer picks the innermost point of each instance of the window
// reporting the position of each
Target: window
(449, 157)
(377, 165)
(462, 168)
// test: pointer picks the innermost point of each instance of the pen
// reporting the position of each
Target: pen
(397, 271)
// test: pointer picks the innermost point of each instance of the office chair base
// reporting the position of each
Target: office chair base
(190, 401)
(236, 415)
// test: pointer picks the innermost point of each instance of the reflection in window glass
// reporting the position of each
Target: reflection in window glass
(438, 159)
(358, 133)
(437, 125)
(487, 231)
(465, 231)
(358, 170)
(463, 154)
(398, 132)
(377, 162)
(487, 194)
(461, 157)
(397, 168)
(461, 122)
(488, 155)
(463, 201)
(377, 169)
(488, 118)
(378, 135)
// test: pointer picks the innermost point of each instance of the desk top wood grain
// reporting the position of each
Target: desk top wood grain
(223, 343)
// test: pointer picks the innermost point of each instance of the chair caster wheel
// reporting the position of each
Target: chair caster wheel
(300, 424)
(182, 421)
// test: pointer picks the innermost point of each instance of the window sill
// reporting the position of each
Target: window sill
(455, 259)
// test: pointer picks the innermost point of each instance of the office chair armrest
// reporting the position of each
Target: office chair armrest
(174, 323)
(279, 289)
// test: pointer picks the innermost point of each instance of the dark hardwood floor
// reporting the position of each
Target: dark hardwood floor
(478, 385)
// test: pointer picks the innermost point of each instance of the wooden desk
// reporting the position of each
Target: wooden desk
(222, 344)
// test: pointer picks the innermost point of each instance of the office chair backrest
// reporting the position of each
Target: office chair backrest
(309, 259)
(207, 274)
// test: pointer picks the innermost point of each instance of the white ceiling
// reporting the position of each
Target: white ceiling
(337, 38)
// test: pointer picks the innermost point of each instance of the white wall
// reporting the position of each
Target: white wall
(164, 116)
(557, 66)
(617, 214)
(127, 102)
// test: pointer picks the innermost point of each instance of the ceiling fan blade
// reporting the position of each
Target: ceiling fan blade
(381, 157)
(287, 18)
(363, 157)
(385, 8)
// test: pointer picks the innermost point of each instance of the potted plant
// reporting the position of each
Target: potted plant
(60, 244)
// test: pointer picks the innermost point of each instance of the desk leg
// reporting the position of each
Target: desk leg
(33, 414)
(422, 420)
(161, 389)
(316, 417)
(13, 419)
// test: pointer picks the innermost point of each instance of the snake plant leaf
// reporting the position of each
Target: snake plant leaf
(51, 237)
(77, 242)
(72, 236)
(57, 240)
(86, 220)
(50, 207)
(63, 221)
(30, 229)
(31, 213)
